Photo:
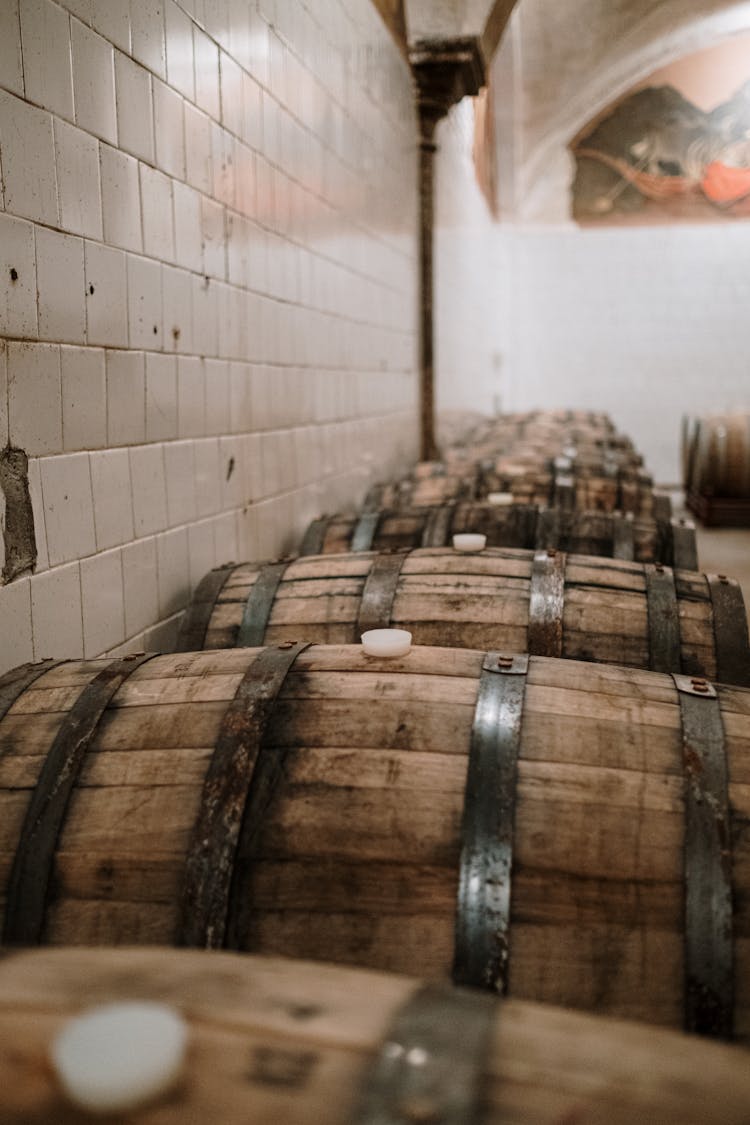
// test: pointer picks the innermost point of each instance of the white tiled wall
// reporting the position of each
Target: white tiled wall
(209, 335)
(471, 277)
(648, 323)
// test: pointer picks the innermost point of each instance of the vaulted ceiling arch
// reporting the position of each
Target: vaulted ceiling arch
(574, 61)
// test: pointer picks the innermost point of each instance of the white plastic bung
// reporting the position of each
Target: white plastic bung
(117, 1057)
(500, 498)
(469, 542)
(386, 642)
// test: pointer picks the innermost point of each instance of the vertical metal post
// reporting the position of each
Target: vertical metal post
(428, 120)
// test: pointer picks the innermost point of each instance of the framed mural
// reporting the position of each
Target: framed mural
(675, 147)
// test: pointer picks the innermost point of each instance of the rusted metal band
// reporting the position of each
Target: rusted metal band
(437, 526)
(32, 865)
(709, 959)
(376, 606)
(194, 625)
(684, 545)
(433, 1060)
(546, 603)
(315, 536)
(483, 907)
(229, 781)
(15, 682)
(663, 619)
(252, 630)
(730, 630)
(364, 531)
(623, 540)
(548, 529)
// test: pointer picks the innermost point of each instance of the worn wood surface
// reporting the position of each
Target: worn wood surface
(280, 1040)
(475, 601)
(582, 533)
(357, 857)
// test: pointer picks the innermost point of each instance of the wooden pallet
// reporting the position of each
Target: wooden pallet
(719, 511)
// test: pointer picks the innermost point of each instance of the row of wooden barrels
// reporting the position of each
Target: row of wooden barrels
(534, 460)
(545, 798)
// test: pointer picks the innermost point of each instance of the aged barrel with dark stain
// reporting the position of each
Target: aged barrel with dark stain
(359, 832)
(611, 535)
(545, 602)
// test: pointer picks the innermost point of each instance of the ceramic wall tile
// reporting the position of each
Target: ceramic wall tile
(169, 129)
(141, 594)
(156, 208)
(173, 571)
(56, 614)
(106, 295)
(191, 397)
(187, 227)
(112, 20)
(201, 551)
(18, 307)
(135, 115)
(126, 397)
(11, 61)
(207, 84)
(60, 286)
(149, 489)
(148, 35)
(68, 507)
(198, 155)
(84, 408)
(161, 397)
(179, 49)
(34, 397)
(15, 625)
(102, 603)
(78, 183)
(208, 472)
(180, 477)
(112, 494)
(121, 199)
(27, 151)
(48, 76)
(94, 82)
(177, 304)
(145, 323)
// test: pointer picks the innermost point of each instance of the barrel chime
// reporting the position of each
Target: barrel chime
(545, 798)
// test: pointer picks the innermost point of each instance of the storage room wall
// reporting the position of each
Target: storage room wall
(648, 323)
(207, 294)
(472, 277)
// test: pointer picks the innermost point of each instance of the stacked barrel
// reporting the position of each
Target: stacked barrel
(716, 468)
(545, 797)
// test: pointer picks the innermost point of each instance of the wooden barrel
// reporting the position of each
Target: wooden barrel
(720, 456)
(611, 535)
(557, 829)
(562, 482)
(430, 483)
(278, 1040)
(544, 603)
